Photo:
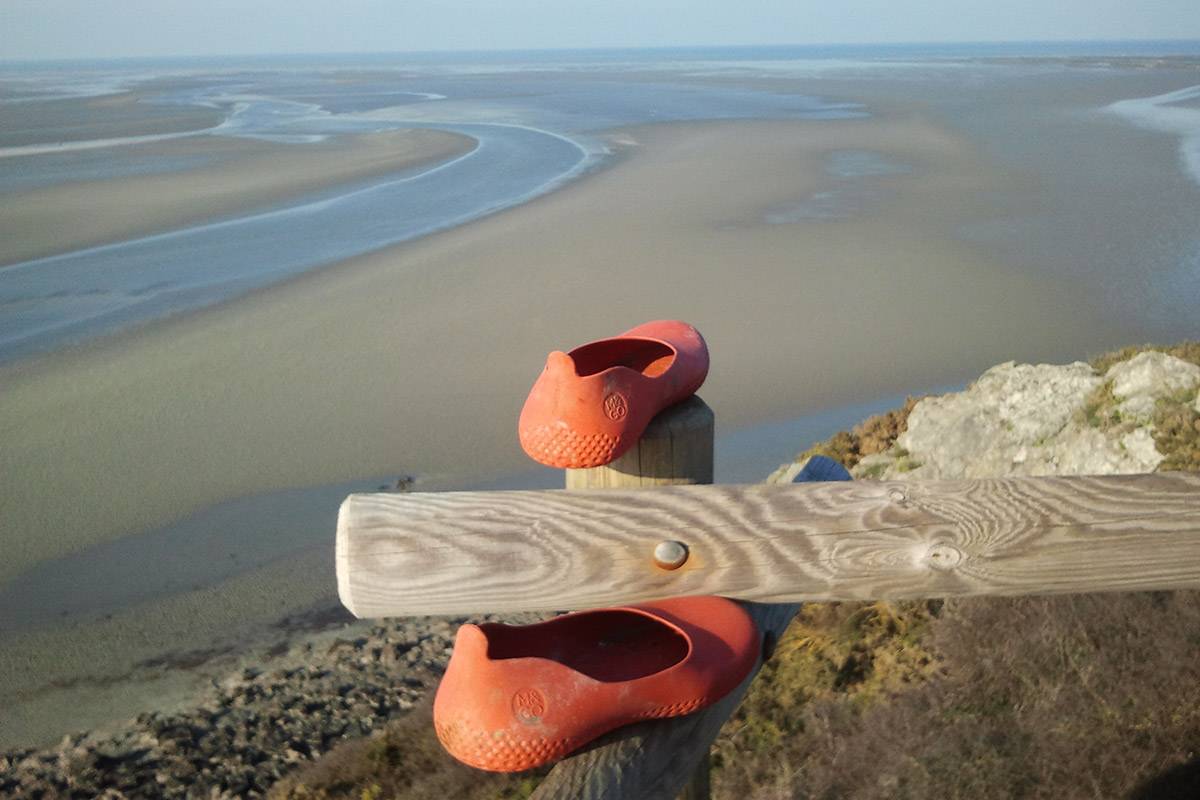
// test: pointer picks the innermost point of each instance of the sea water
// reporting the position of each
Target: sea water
(538, 118)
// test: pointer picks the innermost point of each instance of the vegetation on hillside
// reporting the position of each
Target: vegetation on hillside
(873, 435)
(1088, 696)
(1176, 421)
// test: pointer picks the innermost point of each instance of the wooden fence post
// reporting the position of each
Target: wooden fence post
(676, 448)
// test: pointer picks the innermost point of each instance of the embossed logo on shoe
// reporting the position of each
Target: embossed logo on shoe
(528, 706)
(616, 406)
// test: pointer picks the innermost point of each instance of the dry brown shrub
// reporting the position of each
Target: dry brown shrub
(405, 763)
(1188, 351)
(1177, 437)
(1091, 696)
(873, 435)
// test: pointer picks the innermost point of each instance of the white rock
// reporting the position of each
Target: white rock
(1139, 382)
(787, 472)
(1081, 450)
(1026, 420)
(875, 465)
(1140, 448)
(1000, 425)
(1021, 419)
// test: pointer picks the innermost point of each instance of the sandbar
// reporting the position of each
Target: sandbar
(239, 175)
(108, 116)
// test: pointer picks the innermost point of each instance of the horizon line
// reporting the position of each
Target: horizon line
(591, 48)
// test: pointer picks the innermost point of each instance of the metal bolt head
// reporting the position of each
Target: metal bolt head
(944, 556)
(670, 555)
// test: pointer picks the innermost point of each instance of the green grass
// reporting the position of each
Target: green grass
(1100, 408)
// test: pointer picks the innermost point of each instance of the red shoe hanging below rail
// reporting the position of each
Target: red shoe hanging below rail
(517, 697)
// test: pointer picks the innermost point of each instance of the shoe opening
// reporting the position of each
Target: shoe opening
(608, 646)
(646, 356)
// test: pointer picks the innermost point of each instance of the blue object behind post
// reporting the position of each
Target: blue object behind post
(822, 468)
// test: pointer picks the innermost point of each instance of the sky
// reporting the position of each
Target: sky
(52, 29)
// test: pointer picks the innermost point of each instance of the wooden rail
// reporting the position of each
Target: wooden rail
(473, 552)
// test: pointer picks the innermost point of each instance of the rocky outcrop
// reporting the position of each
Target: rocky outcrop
(1023, 419)
(1148, 378)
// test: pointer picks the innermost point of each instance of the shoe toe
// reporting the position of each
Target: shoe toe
(558, 445)
(498, 750)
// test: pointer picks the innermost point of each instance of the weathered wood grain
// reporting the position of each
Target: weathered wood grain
(471, 552)
(699, 786)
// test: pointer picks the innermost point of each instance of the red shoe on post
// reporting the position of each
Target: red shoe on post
(517, 697)
(592, 404)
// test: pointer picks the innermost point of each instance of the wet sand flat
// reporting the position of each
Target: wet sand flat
(418, 357)
(244, 175)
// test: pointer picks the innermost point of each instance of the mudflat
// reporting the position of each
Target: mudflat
(237, 175)
(418, 357)
(422, 353)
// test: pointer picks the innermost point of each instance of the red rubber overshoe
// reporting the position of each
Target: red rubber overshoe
(589, 406)
(516, 697)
